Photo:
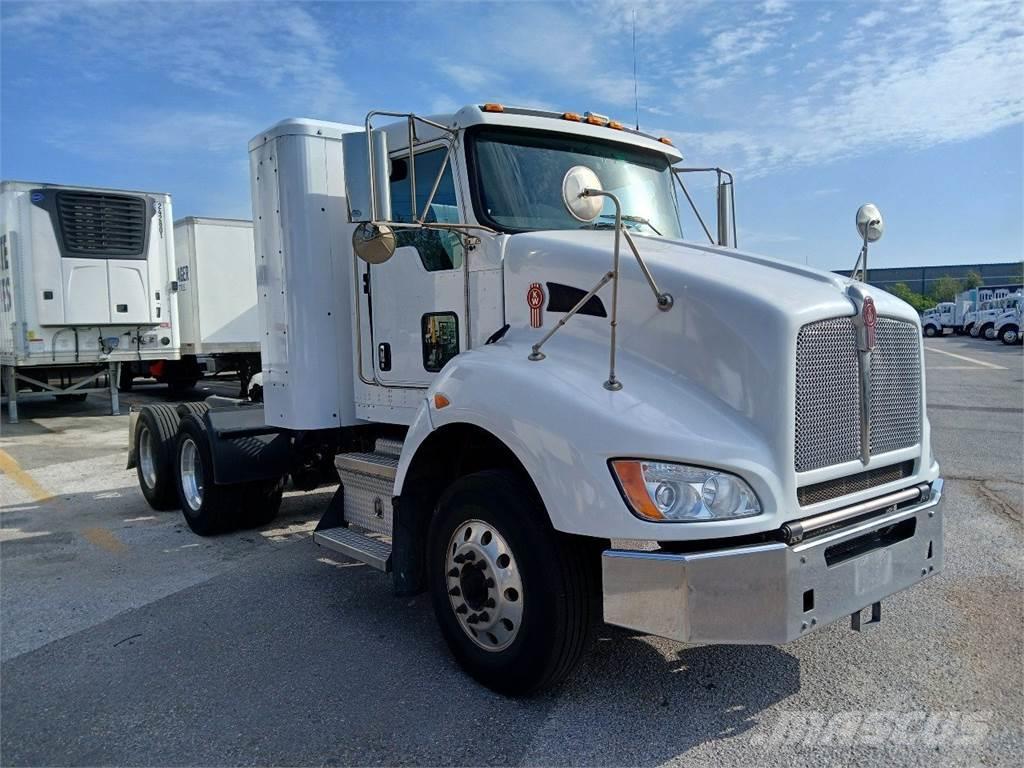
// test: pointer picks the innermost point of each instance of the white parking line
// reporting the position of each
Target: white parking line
(963, 357)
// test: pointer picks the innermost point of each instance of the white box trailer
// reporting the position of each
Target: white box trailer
(214, 290)
(84, 280)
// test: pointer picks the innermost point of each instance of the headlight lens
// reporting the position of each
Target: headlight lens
(665, 492)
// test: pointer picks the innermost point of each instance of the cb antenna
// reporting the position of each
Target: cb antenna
(636, 91)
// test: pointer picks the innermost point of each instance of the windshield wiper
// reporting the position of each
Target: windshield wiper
(632, 220)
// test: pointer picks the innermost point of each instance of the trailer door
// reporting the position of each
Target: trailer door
(418, 297)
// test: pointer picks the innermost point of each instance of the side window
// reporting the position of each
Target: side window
(440, 334)
(438, 250)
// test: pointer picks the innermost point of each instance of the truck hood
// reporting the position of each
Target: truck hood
(730, 336)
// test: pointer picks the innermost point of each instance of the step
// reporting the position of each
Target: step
(359, 546)
(373, 464)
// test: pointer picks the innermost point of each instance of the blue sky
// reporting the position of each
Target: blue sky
(817, 106)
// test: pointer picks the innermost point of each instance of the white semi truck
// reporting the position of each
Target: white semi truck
(936, 320)
(547, 408)
(214, 292)
(1007, 325)
(83, 288)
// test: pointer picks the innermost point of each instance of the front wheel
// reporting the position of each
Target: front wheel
(513, 597)
(988, 332)
(1009, 334)
(929, 331)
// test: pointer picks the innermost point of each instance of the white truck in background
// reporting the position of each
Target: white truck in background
(1007, 325)
(936, 320)
(987, 314)
(84, 274)
(214, 290)
(545, 407)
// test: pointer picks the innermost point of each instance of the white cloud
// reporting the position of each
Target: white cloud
(872, 18)
(952, 74)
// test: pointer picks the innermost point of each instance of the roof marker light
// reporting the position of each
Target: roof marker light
(595, 119)
(493, 107)
(665, 140)
(615, 124)
(574, 116)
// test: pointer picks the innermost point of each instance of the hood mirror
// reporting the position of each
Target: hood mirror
(869, 222)
(581, 206)
(374, 243)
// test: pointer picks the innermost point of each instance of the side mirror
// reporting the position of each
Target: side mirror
(581, 206)
(373, 243)
(869, 222)
(367, 186)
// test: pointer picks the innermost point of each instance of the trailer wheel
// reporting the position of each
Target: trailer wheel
(154, 446)
(511, 595)
(1009, 334)
(208, 507)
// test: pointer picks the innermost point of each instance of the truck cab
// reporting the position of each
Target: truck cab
(936, 320)
(547, 406)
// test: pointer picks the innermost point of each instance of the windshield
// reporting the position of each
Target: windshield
(518, 182)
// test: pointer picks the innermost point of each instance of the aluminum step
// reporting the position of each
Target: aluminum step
(374, 552)
(379, 465)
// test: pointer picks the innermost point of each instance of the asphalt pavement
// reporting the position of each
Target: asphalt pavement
(125, 639)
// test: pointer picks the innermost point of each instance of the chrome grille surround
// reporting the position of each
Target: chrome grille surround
(828, 391)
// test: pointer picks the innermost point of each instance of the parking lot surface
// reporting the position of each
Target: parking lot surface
(125, 639)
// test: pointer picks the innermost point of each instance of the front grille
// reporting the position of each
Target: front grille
(828, 391)
(99, 225)
(844, 486)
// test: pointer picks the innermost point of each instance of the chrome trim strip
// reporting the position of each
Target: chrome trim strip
(795, 531)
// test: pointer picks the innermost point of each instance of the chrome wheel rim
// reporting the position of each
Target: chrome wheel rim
(989, 333)
(484, 585)
(147, 461)
(1011, 337)
(191, 474)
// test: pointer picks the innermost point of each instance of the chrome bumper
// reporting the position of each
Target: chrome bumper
(774, 593)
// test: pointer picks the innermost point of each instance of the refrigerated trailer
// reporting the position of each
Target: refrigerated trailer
(547, 408)
(84, 279)
(214, 290)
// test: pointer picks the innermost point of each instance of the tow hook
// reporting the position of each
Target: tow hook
(876, 618)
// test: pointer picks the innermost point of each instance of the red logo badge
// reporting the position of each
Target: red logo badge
(869, 315)
(535, 298)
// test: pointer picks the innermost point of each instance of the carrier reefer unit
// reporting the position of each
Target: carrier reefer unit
(546, 406)
(214, 290)
(84, 280)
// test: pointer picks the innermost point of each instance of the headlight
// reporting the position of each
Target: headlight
(666, 493)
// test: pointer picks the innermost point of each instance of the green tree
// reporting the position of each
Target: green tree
(945, 289)
(973, 280)
(916, 300)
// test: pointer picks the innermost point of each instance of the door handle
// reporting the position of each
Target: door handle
(384, 356)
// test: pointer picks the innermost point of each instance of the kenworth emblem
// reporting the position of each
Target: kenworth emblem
(869, 316)
(535, 298)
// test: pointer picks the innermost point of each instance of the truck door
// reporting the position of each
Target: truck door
(418, 297)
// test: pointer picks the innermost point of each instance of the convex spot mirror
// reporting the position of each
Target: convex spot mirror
(576, 182)
(373, 243)
(869, 222)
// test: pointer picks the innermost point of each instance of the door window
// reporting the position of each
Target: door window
(438, 250)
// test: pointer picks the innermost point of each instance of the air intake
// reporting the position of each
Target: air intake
(99, 225)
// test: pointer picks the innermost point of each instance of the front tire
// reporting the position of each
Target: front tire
(512, 596)
(929, 331)
(1009, 334)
